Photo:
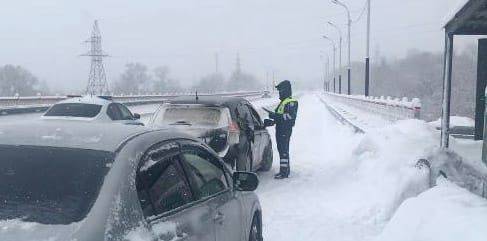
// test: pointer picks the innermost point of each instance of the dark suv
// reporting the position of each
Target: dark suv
(230, 125)
(98, 181)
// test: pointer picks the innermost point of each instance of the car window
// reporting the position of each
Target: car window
(114, 112)
(125, 112)
(189, 115)
(74, 110)
(206, 173)
(161, 185)
(244, 118)
(50, 185)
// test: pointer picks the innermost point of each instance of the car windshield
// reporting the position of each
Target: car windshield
(189, 115)
(74, 110)
(50, 185)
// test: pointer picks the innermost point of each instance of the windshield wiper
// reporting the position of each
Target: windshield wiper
(181, 123)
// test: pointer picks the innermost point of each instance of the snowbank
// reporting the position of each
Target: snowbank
(455, 121)
(386, 164)
(443, 213)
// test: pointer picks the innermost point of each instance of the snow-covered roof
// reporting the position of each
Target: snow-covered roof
(468, 18)
(60, 133)
(88, 99)
(451, 15)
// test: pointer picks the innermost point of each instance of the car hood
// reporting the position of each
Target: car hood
(18, 230)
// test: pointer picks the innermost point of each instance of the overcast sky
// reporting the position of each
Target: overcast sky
(270, 35)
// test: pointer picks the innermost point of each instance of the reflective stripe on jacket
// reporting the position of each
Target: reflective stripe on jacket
(282, 105)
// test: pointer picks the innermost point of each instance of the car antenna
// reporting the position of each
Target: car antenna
(197, 98)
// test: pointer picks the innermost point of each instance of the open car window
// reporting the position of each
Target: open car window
(205, 172)
(161, 183)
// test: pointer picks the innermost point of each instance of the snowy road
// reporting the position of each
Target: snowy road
(339, 188)
(315, 203)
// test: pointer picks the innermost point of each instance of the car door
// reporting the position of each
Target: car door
(167, 200)
(260, 134)
(210, 184)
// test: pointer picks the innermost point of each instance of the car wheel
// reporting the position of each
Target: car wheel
(267, 158)
(256, 230)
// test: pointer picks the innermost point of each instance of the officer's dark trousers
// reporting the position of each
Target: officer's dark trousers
(282, 138)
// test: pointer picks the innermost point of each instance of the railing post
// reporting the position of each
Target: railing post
(416, 108)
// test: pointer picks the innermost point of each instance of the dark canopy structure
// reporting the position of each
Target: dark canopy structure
(470, 19)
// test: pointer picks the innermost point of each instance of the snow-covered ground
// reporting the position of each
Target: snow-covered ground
(357, 187)
(444, 213)
(347, 186)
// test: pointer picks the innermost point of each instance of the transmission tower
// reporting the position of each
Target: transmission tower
(97, 82)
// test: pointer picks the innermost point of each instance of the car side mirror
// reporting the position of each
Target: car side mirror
(136, 116)
(268, 122)
(245, 181)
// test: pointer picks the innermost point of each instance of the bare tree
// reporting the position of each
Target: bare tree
(17, 80)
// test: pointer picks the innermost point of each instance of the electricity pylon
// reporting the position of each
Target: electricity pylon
(97, 82)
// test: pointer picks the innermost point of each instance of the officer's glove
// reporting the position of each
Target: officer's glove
(273, 115)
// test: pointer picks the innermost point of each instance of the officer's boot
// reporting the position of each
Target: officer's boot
(283, 170)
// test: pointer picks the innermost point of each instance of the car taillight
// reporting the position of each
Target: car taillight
(233, 133)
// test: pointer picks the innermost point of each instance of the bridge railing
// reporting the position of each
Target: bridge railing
(17, 104)
(389, 108)
(18, 101)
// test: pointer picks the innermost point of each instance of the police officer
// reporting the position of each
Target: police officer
(284, 117)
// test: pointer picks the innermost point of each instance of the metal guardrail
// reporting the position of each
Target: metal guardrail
(392, 109)
(341, 118)
(17, 105)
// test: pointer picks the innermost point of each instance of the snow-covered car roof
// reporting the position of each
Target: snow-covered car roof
(70, 134)
(88, 99)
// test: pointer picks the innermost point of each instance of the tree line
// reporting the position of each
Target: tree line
(138, 78)
(18, 81)
(420, 74)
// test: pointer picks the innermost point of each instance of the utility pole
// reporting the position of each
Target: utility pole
(367, 53)
(349, 24)
(323, 75)
(97, 82)
(334, 60)
(327, 73)
(340, 57)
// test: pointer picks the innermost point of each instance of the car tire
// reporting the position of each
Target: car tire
(267, 158)
(255, 233)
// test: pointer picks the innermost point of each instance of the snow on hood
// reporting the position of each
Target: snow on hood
(17, 230)
(443, 213)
